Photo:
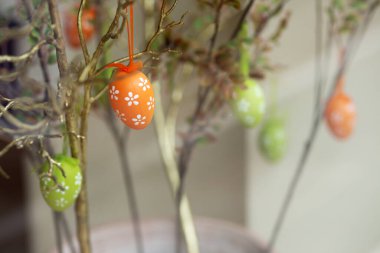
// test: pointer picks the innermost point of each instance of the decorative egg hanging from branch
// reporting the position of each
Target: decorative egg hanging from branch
(273, 139)
(340, 113)
(130, 93)
(61, 188)
(132, 98)
(248, 104)
(88, 26)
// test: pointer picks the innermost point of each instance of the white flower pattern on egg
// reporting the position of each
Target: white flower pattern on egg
(78, 179)
(61, 202)
(144, 84)
(132, 99)
(114, 92)
(120, 115)
(151, 103)
(243, 105)
(139, 120)
(64, 190)
(45, 183)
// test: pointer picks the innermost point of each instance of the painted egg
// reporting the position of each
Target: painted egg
(248, 104)
(60, 199)
(88, 26)
(272, 140)
(132, 98)
(340, 115)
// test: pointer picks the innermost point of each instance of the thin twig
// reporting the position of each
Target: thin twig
(26, 140)
(241, 20)
(214, 36)
(25, 56)
(83, 44)
(10, 33)
(161, 28)
(41, 55)
(19, 124)
(318, 56)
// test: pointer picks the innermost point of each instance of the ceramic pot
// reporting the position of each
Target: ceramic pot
(214, 237)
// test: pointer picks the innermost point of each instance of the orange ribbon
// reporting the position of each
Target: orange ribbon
(132, 66)
(340, 85)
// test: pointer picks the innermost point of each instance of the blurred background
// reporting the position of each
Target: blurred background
(336, 207)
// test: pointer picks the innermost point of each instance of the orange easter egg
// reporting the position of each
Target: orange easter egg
(340, 115)
(88, 26)
(132, 98)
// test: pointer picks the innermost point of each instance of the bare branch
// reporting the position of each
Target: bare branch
(26, 140)
(4, 174)
(22, 127)
(24, 104)
(11, 33)
(242, 18)
(25, 56)
(218, 11)
(58, 35)
(83, 44)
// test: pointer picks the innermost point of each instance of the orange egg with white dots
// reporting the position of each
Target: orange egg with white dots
(132, 98)
(340, 115)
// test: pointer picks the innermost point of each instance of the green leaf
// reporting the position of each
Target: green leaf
(34, 37)
(48, 31)
(198, 24)
(52, 58)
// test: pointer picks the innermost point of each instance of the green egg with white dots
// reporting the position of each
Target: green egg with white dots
(273, 139)
(69, 180)
(248, 104)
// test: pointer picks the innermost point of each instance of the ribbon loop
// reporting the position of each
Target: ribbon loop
(132, 65)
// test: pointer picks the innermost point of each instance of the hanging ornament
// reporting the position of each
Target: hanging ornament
(131, 93)
(272, 139)
(60, 199)
(340, 113)
(248, 103)
(88, 26)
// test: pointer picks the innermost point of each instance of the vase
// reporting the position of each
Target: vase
(215, 236)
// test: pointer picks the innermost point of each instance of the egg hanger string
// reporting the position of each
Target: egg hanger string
(341, 81)
(133, 65)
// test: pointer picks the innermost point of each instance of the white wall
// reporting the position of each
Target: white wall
(336, 208)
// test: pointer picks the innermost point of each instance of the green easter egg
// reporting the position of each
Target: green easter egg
(273, 140)
(60, 199)
(249, 104)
